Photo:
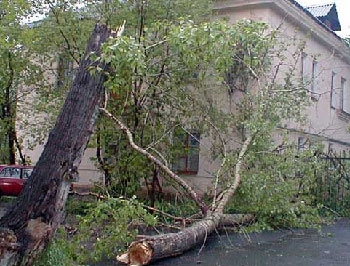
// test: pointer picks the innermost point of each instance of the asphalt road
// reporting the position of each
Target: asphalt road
(329, 247)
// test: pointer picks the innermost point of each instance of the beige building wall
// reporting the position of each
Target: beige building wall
(88, 172)
(329, 113)
(325, 67)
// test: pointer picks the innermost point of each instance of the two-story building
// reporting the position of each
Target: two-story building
(324, 64)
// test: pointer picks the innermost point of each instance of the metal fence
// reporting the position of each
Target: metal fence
(333, 183)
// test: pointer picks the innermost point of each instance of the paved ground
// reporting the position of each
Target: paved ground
(330, 247)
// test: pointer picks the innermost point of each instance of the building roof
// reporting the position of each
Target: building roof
(320, 11)
(317, 19)
(327, 14)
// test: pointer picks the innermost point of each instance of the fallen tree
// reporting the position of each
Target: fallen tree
(193, 105)
(146, 80)
(152, 248)
(29, 225)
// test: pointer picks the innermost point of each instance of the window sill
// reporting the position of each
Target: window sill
(187, 172)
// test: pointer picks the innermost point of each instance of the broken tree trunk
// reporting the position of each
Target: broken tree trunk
(149, 249)
(30, 224)
(166, 245)
(153, 248)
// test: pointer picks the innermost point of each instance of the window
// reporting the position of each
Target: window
(27, 172)
(187, 162)
(10, 172)
(314, 80)
(330, 148)
(333, 98)
(303, 143)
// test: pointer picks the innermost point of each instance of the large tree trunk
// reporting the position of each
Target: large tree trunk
(30, 224)
(166, 245)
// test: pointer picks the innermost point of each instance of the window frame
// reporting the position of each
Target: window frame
(188, 151)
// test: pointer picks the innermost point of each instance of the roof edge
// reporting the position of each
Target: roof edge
(324, 33)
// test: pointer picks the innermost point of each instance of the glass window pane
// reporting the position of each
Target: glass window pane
(3, 172)
(15, 172)
(194, 139)
(27, 173)
(193, 162)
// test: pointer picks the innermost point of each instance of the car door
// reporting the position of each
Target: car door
(11, 183)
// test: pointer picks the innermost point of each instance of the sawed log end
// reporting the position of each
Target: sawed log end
(138, 253)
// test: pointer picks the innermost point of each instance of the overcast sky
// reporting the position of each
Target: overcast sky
(343, 8)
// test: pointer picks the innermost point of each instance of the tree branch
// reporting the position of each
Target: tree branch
(229, 192)
(170, 173)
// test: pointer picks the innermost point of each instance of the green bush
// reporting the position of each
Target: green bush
(59, 253)
(278, 189)
(108, 227)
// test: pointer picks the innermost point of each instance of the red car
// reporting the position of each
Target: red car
(13, 178)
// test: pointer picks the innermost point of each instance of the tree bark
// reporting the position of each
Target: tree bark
(32, 221)
(227, 194)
